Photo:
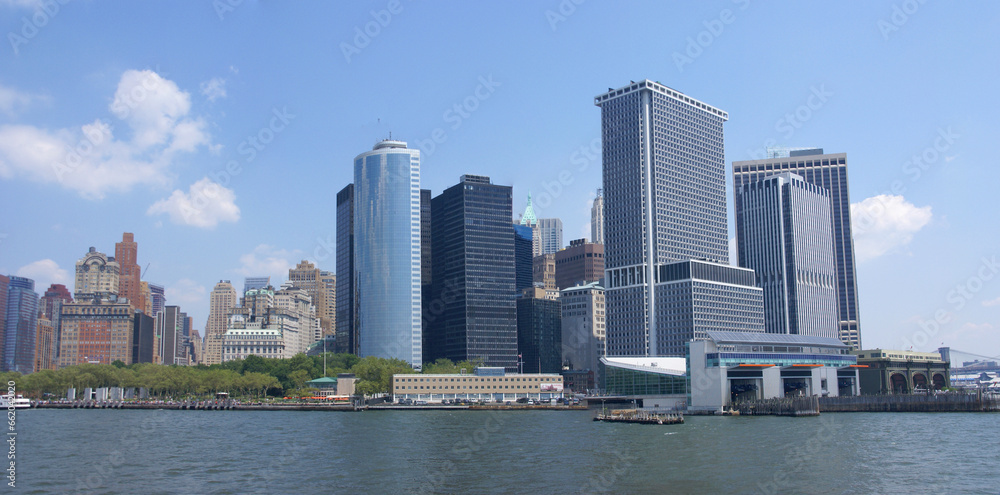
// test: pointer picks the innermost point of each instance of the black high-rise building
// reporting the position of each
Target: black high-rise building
(425, 266)
(471, 312)
(539, 332)
(347, 337)
(522, 257)
(143, 335)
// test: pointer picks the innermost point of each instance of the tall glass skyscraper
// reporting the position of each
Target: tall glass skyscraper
(472, 311)
(830, 172)
(21, 325)
(664, 200)
(522, 257)
(551, 230)
(387, 252)
(788, 242)
(347, 335)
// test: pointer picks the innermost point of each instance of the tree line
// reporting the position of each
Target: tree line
(253, 376)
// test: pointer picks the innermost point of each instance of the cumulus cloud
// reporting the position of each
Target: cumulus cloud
(268, 260)
(214, 88)
(992, 302)
(91, 160)
(45, 273)
(205, 205)
(13, 101)
(884, 223)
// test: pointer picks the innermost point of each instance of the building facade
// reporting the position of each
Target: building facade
(528, 219)
(387, 252)
(486, 384)
(21, 325)
(522, 258)
(322, 288)
(543, 271)
(788, 243)
(51, 304)
(158, 299)
(97, 276)
(828, 171)
(539, 332)
(581, 263)
(44, 339)
(96, 331)
(126, 255)
(246, 338)
(888, 371)
(551, 232)
(222, 300)
(664, 201)
(472, 312)
(597, 218)
(170, 337)
(347, 337)
(731, 367)
(583, 330)
(144, 344)
(255, 283)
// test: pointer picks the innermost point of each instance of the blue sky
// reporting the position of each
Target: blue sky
(220, 134)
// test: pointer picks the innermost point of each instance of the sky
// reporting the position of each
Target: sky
(219, 132)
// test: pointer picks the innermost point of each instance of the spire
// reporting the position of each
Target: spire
(528, 218)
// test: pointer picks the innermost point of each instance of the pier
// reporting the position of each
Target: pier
(640, 416)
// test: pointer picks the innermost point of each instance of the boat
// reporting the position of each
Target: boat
(19, 402)
(639, 416)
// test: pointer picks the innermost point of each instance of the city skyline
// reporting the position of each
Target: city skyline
(220, 107)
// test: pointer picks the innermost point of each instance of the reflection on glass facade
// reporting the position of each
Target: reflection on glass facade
(625, 381)
(471, 313)
(20, 326)
(347, 336)
(522, 258)
(387, 252)
(664, 200)
(788, 243)
(828, 171)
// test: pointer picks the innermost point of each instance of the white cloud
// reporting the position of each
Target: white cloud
(992, 302)
(269, 260)
(884, 223)
(214, 88)
(13, 101)
(91, 160)
(45, 273)
(29, 4)
(186, 292)
(204, 205)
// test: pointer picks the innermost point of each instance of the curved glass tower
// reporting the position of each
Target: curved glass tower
(387, 252)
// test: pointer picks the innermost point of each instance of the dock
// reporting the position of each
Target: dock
(640, 416)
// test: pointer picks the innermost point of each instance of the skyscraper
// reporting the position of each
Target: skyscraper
(582, 262)
(522, 257)
(44, 337)
(788, 242)
(51, 304)
(539, 332)
(347, 337)
(97, 276)
(257, 282)
(170, 332)
(830, 172)
(664, 200)
(306, 276)
(221, 302)
(387, 255)
(583, 330)
(551, 231)
(143, 338)
(158, 297)
(126, 254)
(21, 326)
(597, 218)
(4, 286)
(474, 274)
(528, 219)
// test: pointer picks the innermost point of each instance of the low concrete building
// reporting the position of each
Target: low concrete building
(487, 384)
(901, 372)
(731, 367)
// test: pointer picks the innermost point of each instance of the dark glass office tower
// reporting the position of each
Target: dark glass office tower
(522, 257)
(472, 303)
(830, 172)
(347, 337)
(539, 332)
(664, 200)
